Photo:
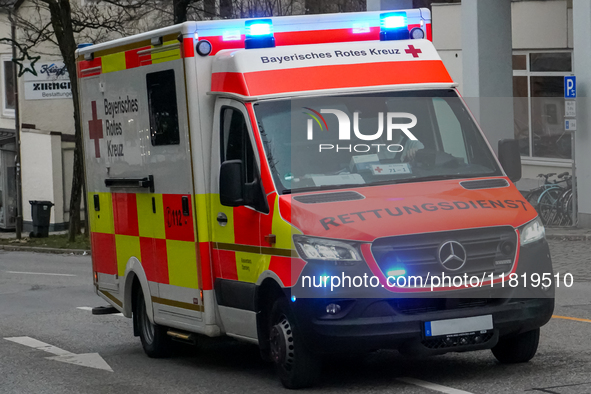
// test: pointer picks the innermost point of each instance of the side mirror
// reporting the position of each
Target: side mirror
(232, 183)
(510, 158)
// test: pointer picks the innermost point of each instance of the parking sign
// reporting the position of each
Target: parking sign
(570, 87)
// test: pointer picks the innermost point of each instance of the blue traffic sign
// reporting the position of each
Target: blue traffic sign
(570, 87)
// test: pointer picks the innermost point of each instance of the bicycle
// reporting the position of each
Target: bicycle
(533, 196)
(553, 202)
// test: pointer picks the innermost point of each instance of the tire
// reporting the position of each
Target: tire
(155, 341)
(518, 349)
(548, 205)
(296, 366)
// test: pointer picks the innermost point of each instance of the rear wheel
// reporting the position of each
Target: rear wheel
(155, 341)
(296, 366)
(517, 349)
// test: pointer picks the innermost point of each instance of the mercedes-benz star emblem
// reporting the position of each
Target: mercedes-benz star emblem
(452, 255)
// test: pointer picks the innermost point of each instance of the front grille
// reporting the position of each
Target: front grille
(458, 341)
(414, 306)
(487, 250)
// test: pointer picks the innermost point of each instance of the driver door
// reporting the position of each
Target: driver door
(236, 230)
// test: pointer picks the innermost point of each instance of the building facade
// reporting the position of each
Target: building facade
(46, 132)
(542, 37)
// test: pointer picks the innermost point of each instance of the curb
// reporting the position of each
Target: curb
(569, 237)
(38, 249)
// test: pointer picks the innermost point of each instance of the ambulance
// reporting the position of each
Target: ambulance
(237, 186)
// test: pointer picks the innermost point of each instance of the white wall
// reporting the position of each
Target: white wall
(57, 177)
(539, 24)
(447, 26)
(37, 168)
(535, 25)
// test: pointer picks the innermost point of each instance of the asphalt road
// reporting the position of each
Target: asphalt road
(45, 308)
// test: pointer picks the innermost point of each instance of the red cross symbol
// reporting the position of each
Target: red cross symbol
(413, 51)
(95, 130)
(379, 170)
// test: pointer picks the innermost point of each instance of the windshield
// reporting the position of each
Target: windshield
(335, 142)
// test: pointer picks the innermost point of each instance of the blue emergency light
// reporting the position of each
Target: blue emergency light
(394, 26)
(259, 34)
(397, 271)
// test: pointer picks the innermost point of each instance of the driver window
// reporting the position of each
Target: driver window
(236, 143)
(450, 129)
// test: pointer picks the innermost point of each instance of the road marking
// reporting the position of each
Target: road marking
(87, 308)
(37, 273)
(432, 386)
(35, 344)
(571, 318)
(90, 360)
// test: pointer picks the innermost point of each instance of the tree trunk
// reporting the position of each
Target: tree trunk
(209, 8)
(313, 6)
(180, 10)
(226, 11)
(61, 21)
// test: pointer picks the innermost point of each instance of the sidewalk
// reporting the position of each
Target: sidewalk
(568, 233)
(12, 234)
(9, 242)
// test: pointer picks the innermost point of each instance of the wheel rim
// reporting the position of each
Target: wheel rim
(147, 326)
(281, 341)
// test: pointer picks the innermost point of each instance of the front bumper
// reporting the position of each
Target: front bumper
(405, 332)
(366, 324)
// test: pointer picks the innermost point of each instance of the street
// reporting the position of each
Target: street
(47, 298)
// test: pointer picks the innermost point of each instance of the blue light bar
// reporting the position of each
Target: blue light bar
(259, 34)
(394, 26)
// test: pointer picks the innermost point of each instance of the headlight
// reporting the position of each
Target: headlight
(532, 231)
(311, 248)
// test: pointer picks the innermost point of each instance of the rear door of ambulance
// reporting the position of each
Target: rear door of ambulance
(139, 175)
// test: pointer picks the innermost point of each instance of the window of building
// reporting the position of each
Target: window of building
(538, 103)
(164, 119)
(8, 97)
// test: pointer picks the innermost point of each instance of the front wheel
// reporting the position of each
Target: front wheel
(155, 341)
(517, 349)
(296, 366)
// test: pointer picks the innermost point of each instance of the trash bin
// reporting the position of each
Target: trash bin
(41, 213)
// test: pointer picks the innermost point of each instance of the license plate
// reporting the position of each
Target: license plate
(458, 326)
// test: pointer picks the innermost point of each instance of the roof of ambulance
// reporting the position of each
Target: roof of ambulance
(333, 58)
(293, 23)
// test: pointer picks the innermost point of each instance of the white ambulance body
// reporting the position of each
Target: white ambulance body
(163, 110)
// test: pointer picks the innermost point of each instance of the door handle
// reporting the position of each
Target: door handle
(185, 204)
(222, 219)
